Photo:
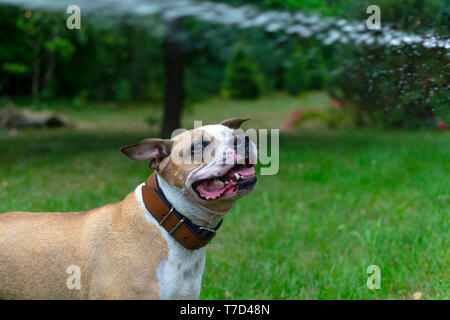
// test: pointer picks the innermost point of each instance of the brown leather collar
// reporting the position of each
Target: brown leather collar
(190, 235)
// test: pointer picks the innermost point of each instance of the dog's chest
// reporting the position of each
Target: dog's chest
(180, 275)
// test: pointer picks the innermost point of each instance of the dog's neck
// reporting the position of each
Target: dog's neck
(188, 209)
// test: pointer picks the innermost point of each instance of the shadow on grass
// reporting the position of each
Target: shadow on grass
(62, 144)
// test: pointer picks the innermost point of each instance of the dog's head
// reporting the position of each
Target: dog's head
(212, 166)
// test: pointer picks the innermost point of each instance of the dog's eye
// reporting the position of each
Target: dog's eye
(205, 143)
(199, 146)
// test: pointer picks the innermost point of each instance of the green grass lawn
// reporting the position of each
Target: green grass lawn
(342, 200)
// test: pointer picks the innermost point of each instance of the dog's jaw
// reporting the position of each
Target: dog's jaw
(179, 198)
(217, 171)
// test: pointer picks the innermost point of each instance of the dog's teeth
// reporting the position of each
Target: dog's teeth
(217, 181)
(237, 176)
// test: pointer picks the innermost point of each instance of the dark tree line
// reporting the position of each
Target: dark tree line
(180, 62)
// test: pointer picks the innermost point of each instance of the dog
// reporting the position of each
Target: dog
(151, 245)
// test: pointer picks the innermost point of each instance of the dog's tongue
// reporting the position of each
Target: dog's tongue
(211, 190)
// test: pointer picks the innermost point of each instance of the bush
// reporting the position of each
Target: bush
(243, 79)
(317, 70)
(403, 86)
(122, 91)
(332, 116)
(295, 77)
(305, 70)
(397, 88)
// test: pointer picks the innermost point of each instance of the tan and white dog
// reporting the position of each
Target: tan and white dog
(124, 250)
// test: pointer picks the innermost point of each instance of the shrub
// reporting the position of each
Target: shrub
(331, 115)
(397, 88)
(317, 71)
(243, 79)
(305, 70)
(295, 77)
(123, 91)
(404, 86)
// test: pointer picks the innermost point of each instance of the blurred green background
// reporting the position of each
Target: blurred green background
(364, 146)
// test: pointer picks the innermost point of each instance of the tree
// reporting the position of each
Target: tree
(174, 81)
(243, 79)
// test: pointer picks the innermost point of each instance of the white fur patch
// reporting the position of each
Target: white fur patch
(219, 131)
(180, 275)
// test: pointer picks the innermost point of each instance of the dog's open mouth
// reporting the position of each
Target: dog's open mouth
(237, 178)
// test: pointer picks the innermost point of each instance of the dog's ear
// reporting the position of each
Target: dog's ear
(153, 148)
(233, 123)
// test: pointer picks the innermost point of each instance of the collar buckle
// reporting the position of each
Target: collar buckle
(166, 216)
(207, 229)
